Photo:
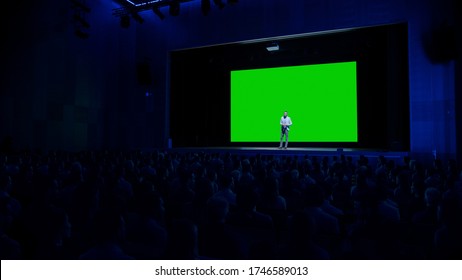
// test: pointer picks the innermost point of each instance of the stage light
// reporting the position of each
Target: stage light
(272, 47)
(174, 8)
(125, 21)
(157, 12)
(80, 10)
(137, 17)
(219, 3)
(205, 7)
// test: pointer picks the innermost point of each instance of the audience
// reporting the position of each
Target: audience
(207, 205)
(216, 238)
(301, 243)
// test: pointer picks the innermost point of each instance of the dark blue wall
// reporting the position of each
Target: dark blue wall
(59, 91)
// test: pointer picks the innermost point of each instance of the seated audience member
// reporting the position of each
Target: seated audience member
(226, 190)
(428, 215)
(246, 214)
(327, 224)
(109, 234)
(301, 243)
(183, 240)
(447, 238)
(216, 240)
(146, 234)
(270, 199)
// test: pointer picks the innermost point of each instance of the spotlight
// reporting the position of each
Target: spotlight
(272, 47)
(158, 13)
(137, 17)
(205, 7)
(219, 3)
(174, 8)
(125, 21)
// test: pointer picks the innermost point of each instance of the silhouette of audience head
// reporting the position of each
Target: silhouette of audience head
(217, 210)
(302, 232)
(314, 196)
(247, 199)
(109, 226)
(432, 197)
(151, 205)
(302, 228)
(55, 230)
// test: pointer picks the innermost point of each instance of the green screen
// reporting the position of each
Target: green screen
(320, 99)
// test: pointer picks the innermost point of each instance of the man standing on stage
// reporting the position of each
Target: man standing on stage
(285, 123)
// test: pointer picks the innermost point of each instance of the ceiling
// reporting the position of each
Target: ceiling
(129, 7)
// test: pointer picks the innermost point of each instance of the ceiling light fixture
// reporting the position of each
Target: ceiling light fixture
(272, 47)
(157, 12)
(205, 7)
(174, 8)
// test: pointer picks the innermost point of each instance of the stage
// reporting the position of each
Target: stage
(297, 152)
